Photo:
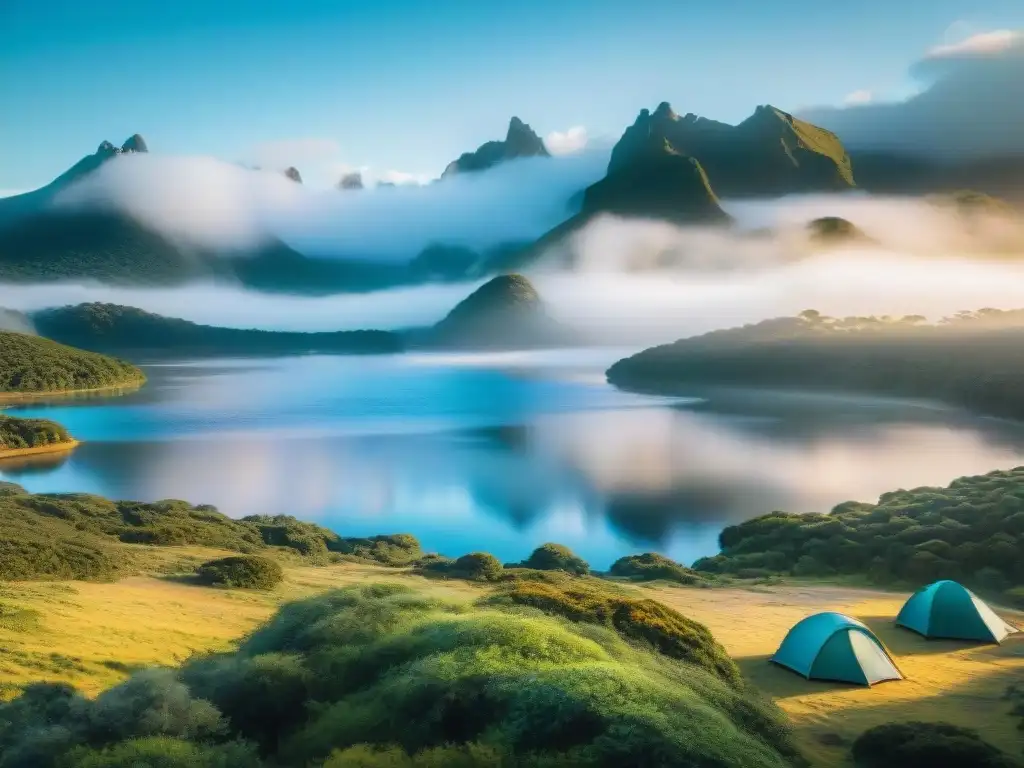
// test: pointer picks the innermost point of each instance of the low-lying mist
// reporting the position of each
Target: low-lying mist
(632, 282)
(211, 203)
(612, 306)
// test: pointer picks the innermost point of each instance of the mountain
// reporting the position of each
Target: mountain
(131, 332)
(769, 154)
(42, 242)
(654, 181)
(352, 180)
(505, 312)
(520, 141)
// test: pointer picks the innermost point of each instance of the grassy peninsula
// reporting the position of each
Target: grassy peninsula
(121, 330)
(23, 437)
(31, 365)
(973, 360)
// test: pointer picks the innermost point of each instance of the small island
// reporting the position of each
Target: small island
(32, 366)
(29, 437)
(971, 360)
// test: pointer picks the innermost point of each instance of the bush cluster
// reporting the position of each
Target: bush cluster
(651, 566)
(926, 745)
(971, 531)
(30, 433)
(642, 620)
(241, 572)
(554, 557)
(476, 566)
(379, 676)
(67, 536)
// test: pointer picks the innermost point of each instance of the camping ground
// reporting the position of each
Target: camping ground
(94, 634)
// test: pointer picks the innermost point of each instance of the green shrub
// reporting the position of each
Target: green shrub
(241, 572)
(75, 536)
(971, 530)
(651, 566)
(1015, 596)
(467, 756)
(162, 752)
(38, 728)
(556, 557)
(926, 745)
(381, 676)
(30, 433)
(398, 549)
(476, 566)
(647, 621)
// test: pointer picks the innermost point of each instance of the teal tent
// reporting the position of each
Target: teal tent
(831, 646)
(949, 610)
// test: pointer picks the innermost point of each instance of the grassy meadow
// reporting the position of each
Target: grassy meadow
(93, 635)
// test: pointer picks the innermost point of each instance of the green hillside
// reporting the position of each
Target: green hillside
(116, 329)
(34, 365)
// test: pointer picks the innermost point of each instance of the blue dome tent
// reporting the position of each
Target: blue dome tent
(831, 646)
(948, 610)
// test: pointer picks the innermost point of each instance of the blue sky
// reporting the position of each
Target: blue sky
(408, 85)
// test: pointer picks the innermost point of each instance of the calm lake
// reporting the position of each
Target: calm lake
(500, 452)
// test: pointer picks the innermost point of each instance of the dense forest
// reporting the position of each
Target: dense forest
(80, 536)
(973, 360)
(117, 329)
(971, 531)
(30, 433)
(380, 676)
(30, 364)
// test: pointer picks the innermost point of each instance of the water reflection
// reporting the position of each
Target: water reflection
(503, 455)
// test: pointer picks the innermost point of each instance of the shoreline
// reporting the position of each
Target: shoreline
(37, 450)
(15, 397)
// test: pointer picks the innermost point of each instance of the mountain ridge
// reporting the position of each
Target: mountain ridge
(520, 141)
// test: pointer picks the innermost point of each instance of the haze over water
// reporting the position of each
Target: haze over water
(500, 452)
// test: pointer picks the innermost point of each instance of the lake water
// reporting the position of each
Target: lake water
(500, 452)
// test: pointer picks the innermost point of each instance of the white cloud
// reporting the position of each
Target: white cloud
(859, 97)
(981, 44)
(971, 103)
(401, 178)
(299, 151)
(208, 202)
(566, 142)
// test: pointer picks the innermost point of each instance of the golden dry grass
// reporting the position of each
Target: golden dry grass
(94, 634)
(960, 683)
(11, 453)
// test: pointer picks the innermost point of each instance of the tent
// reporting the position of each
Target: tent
(831, 646)
(949, 610)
